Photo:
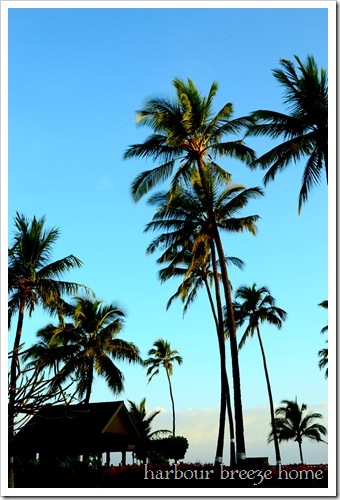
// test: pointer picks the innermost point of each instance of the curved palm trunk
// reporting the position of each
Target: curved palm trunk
(13, 386)
(240, 443)
(271, 404)
(211, 302)
(225, 390)
(172, 402)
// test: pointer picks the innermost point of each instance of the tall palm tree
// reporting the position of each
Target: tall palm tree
(86, 346)
(162, 355)
(292, 423)
(184, 217)
(190, 260)
(195, 277)
(304, 129)
(33, 279)
(258, 306)
(143, 424)
(187, 134)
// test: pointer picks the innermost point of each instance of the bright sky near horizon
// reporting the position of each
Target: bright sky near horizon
(76, 78)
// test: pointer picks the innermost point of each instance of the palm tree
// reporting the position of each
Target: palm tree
(304, 130)
(86, 346)
(258, 306)
(162, 355)
(188, 134)
(195, 277)
(183, 215)
(33, 279)
(323, 353)
(143, 423)
(292, 423)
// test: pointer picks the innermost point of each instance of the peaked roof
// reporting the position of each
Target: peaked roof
(94, 427)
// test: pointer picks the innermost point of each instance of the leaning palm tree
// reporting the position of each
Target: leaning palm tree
(258, 306)
(183, 219)
(86, 346)
(304, 130)
(143, 424)
(292, 423)
(187, 138)
(162, 355)
(33, 279)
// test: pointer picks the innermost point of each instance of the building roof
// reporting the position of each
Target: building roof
(94, 427)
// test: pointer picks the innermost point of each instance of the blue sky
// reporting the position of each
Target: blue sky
(76, 78)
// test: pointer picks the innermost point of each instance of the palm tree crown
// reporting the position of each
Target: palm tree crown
(292, 423)
(32, 276)
(304, 130)
(258, 306)
(86, 346)
(186, 131)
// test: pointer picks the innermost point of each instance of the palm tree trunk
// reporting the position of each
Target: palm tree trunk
(300, 449)
(89, 383)
(225, 390)
(271, 404)
(240, 443)
(172, 402)
(13, 386)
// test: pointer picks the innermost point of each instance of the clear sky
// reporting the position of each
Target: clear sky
(76, 78)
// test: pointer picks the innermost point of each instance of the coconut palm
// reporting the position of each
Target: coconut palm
(258, 306)
(188, 258)
(292, 423)
(143, 423)
(162, 355)
(33, 279)
(194, 278)
(86, 346)
(304, 130)
(187, 138)
(183, 215)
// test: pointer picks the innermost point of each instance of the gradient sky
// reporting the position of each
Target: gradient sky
(76, 78)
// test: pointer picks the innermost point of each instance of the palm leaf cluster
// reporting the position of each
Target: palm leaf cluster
(304, 129)
(323, 353)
